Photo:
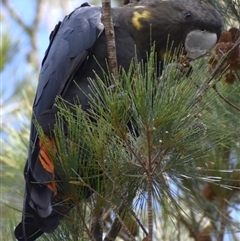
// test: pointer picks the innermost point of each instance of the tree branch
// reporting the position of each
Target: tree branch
(110, 37)
(31, 31)
(15, 16)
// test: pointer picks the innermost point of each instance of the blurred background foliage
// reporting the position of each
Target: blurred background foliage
(24, 38)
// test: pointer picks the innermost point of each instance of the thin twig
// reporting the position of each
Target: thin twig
(149, 189)
(84, 223)
(212, 80)
(33, 35)
(192, 232)
(225, 100)
(31, 31)
(16, 17)
(114, 208)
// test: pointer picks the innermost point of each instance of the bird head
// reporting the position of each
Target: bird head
(192, 24)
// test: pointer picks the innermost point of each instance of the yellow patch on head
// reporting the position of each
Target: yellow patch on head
(139, 16)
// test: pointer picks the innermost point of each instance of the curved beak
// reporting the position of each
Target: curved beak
(198, 43)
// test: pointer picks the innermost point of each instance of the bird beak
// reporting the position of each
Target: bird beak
(198, 43)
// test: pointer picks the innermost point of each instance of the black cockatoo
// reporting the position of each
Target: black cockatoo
(77, 49)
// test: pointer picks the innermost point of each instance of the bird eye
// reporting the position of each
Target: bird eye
(187, 15)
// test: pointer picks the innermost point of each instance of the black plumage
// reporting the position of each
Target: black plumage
(75, 45)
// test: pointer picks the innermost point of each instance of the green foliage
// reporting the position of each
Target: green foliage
(147, 135)
(8, 223)
(14, 147)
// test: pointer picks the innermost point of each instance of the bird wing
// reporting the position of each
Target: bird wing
(68, 50)
(70, 43)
